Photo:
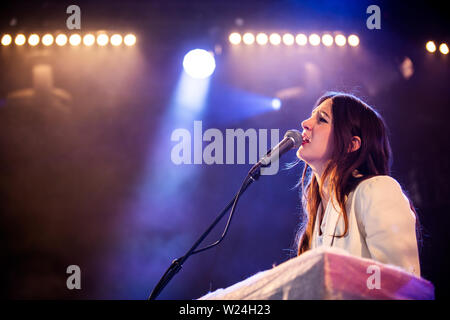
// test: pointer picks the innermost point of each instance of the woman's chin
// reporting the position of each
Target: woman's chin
(304, 157)
(300, 154)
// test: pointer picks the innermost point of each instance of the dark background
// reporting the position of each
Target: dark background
(88, 180)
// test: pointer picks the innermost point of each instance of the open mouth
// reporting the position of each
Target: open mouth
(306, 140)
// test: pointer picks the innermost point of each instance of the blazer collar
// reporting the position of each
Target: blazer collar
(331, 217)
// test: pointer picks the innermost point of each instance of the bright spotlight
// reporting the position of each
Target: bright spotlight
(47, 40)
(116, 40)
(199, 64)
(314, 39)
(276, 103)
(129, 40)
(33, 40)
(235, 38)
(431, 47)
(88, 40)
(248, 38)
(443, 48)
(288, 39)
(102, 39)
(275, 39)
(6, 40)
(340, 40)
(262, 39)
(20, 39)
(75, 39)
(61, 39)
(301, 39)
(327, 40)
(353, 40)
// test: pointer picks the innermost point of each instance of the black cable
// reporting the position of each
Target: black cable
(233, 208)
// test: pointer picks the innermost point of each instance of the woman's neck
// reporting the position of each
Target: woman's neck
(325, 194)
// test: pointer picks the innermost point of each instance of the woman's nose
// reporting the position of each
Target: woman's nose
(306, 124)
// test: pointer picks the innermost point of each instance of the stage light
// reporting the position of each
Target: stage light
(20, 39)
(327, 40)
(276, 103)
(407, 68)
(6, 40)
(199, 64)
(129, 40)
(61, 39)
(88, 39)
(47, 40)
(301, 39)
(33, 40)
(248, 38)
(262, 38)
(288, 39)
(353, 40)
(116, 40)
(314, 39)
(443, 48)
(75, 39)
(340, 40)
(235, 38)
(102, 39)
(431, 47)
(275, 39)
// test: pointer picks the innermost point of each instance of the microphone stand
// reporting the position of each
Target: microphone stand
(176, 265)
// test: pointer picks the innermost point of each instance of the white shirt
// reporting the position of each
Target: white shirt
(381, 225)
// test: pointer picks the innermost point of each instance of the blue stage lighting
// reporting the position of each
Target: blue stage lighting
(276, 103)
(199, 64)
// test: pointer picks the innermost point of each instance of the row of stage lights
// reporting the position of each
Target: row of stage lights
(101, 39)
(289, 39)
(431, 47)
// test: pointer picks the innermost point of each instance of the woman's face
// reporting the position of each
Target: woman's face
(317, 142)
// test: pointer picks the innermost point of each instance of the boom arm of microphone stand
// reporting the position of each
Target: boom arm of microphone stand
(176, 265)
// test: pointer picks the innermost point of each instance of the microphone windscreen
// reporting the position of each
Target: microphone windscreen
(296, 135)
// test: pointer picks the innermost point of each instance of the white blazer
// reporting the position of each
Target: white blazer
(381, 225)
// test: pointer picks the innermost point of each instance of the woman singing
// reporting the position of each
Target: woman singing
(348, 197)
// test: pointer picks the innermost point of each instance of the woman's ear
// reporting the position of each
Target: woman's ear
(355, 144)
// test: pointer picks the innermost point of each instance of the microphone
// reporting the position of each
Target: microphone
(292, 139)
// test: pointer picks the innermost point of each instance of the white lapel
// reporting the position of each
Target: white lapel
(316, 229)
(332, 217)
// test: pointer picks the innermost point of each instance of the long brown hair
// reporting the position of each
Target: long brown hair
(351, 117)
